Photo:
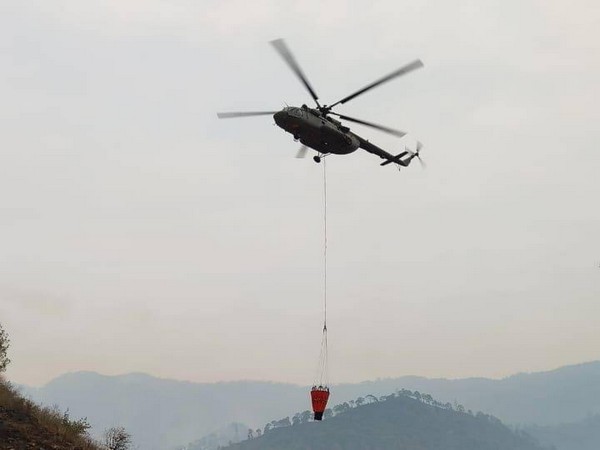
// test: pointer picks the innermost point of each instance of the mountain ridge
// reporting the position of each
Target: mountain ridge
(163, 413)
(142, 375)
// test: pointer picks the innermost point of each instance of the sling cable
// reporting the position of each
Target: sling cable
(320, 391)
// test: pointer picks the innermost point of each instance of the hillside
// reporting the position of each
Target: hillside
(24, 425)
(163, 413)
(400, 423)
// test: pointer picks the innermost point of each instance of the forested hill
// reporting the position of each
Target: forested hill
(400, 423)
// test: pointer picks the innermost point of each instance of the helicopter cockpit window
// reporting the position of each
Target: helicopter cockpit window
(296, 112)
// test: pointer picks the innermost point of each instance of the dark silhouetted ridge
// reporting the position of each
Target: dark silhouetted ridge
(399, 423)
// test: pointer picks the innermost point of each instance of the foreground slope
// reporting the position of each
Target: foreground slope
(399, 423)
(25, 425)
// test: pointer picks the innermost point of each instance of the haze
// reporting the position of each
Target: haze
(140, 233)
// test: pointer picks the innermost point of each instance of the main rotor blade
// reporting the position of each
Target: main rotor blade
(231, 115)
(417, 64)
(389, 130)
(288, 57)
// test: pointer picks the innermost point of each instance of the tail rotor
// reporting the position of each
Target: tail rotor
(418, 156)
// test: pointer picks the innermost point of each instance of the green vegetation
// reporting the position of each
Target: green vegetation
(404, 420)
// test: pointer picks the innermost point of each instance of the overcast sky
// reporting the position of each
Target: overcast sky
(140, 233)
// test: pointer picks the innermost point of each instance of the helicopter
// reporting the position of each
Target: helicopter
(315, 128)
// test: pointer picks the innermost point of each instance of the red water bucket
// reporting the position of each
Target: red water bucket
(319, 397)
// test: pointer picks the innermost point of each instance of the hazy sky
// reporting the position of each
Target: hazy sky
(140, 233)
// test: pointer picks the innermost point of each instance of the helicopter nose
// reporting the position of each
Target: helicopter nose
(280, 117)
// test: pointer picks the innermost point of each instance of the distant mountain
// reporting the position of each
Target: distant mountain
(162, 414)
(399, 423)
(583, 435)
(567, 394)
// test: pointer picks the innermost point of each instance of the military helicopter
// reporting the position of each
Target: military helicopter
(316, 129)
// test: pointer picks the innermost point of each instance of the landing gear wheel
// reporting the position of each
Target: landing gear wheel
(317, 159)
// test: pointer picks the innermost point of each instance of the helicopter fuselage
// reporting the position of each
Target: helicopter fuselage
(317, 131)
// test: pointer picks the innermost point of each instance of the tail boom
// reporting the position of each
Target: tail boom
(398, 159)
